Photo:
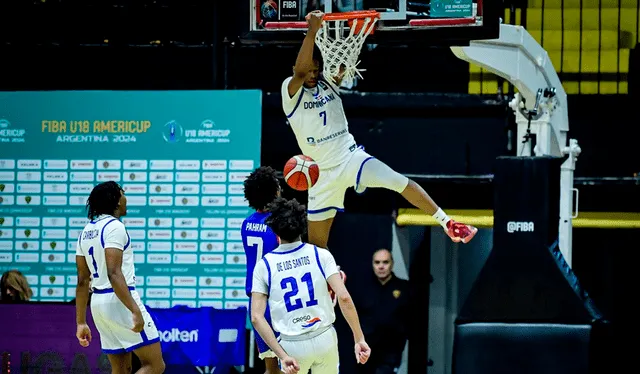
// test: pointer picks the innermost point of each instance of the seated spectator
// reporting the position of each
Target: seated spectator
(14, 287)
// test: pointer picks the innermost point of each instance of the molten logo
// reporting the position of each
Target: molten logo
(177, 335)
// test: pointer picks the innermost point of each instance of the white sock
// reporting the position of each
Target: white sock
(442, 218)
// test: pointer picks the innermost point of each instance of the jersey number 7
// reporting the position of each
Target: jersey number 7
(323, 114)
(291, 282)
(256, 241)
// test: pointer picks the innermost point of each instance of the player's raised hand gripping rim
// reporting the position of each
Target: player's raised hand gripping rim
(363, 352)
(83, 333)
(290, 365)
(314, 19)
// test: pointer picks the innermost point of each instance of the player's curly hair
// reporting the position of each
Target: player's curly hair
(104, 199)
(261, 187)
(288, 218)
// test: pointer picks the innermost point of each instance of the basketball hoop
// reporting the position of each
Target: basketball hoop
(339, 50)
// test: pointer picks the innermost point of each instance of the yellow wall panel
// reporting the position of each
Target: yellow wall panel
(583, 3)
(574, 19)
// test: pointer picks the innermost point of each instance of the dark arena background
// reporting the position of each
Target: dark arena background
(94, 90)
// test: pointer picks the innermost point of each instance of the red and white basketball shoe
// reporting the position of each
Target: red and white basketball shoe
(334, 299)
(459, 232)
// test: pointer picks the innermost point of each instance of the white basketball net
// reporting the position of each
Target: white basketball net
(338, 50)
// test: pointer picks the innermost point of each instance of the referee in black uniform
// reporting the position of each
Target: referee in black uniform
(384, 316)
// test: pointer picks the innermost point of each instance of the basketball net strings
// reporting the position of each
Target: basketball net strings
(337, 50)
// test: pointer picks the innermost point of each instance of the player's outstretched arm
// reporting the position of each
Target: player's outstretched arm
(348, 309)
(304, 61)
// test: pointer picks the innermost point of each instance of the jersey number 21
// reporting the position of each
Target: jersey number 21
(291, 284)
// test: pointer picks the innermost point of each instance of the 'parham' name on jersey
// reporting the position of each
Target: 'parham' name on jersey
(317, 118)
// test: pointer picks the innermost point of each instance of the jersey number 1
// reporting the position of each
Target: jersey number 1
(95, 264)
(323, 114)
(291, 282)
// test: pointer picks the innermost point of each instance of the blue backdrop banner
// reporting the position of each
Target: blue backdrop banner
(201, 336)
(181, 157)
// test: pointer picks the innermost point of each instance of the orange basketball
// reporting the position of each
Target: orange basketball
(301, 172)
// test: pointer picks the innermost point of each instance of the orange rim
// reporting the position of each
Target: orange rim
(356, 14)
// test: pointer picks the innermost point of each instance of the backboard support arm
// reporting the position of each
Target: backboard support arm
(540, 107)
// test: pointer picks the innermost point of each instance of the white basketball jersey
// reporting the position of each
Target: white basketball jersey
(295, 280)
(106, 232)
(318, 121)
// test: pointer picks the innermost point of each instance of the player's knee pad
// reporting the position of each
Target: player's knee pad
(376, 174)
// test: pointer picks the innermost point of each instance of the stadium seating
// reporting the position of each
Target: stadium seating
(588, 41)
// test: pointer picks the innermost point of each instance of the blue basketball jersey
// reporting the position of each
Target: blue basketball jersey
(258, 240)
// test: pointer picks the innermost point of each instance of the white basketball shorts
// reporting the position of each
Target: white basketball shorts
(326, 197)
(114, 322)
(319, 353)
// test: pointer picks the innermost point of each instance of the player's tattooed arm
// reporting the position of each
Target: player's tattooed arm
(258, 308)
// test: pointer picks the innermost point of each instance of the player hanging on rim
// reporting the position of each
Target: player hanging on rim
(315, 113)
(292, 280)
(104, 259)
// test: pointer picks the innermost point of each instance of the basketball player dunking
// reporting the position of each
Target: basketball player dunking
(314, 109)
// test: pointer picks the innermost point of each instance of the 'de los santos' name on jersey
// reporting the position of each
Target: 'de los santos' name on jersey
(293, 264)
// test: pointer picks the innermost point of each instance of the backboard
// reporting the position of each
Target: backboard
(433, 22)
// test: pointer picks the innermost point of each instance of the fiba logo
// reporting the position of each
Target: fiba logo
(269, 10)
(513, 226)
(172, 132)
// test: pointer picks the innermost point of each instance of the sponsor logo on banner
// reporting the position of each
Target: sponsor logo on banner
(207, 133)
(172, 132)
(9, 134)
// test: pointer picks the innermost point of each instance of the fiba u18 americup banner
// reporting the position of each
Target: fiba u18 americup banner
(181, 157)
(202, 336)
